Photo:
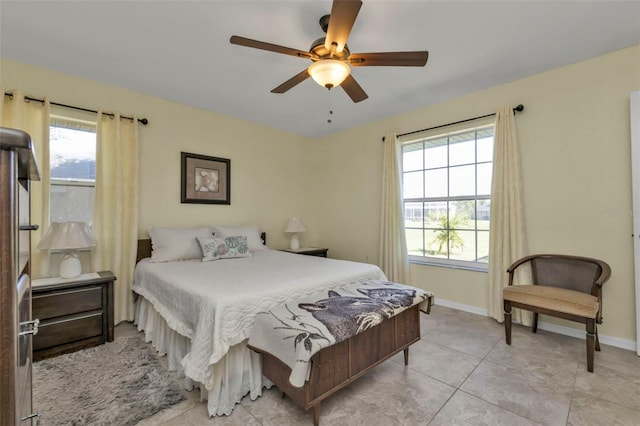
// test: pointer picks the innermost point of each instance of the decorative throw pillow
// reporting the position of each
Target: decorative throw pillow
(251, 232)
(218, 248)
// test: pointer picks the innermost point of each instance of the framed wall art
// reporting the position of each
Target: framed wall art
(205, 180)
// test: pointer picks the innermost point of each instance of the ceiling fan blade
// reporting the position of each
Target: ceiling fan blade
(293, 81)
(393, 59)
(247, 42)
(343, 15)
(353, 89)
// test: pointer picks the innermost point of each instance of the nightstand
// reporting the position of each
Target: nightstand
(74, 313)
(309, 251)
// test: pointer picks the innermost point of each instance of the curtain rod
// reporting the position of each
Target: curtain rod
(142, 121)
(518, 108)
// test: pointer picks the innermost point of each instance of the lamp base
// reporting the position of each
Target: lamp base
(70, 266)
(294, 244)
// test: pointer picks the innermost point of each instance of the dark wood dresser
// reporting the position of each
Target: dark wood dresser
(17, 168)
(74, 313)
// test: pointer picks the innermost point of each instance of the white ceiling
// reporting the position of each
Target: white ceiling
(180, 50)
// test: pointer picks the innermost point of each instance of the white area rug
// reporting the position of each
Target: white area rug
(118, 383)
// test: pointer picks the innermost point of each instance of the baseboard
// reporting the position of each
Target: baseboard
(554, 328)
(461, 307)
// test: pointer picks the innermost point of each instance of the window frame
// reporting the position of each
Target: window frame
(447, 133)
(72, 122)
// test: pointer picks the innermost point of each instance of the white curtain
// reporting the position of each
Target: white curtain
(115, 212)
(393, 244)
(507, 240)
(33, 117)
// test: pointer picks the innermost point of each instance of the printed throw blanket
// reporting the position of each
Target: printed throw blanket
(294, 331)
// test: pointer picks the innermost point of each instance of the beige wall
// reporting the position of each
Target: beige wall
(574, 137)
(575, 147)
(269, 178)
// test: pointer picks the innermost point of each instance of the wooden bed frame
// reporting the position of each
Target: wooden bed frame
(337, 366)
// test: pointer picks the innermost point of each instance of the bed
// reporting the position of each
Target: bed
(200, 313)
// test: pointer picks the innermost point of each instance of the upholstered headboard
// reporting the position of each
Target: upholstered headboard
(144, 247)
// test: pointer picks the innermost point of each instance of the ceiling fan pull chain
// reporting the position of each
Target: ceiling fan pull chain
(330, 107)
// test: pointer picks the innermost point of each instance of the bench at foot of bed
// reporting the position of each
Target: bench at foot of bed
(336, 366)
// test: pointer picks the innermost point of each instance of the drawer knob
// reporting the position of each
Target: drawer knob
(34, 327)
(33, 227)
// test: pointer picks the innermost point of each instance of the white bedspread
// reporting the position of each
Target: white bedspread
(214, 303)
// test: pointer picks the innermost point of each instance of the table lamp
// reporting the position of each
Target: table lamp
(294, 227)
(68, 237)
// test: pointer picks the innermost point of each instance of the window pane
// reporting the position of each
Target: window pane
(412, 157)
(462, 245)
(435, 214)
(435, 153)
(485, 172)
(414, 242)
(71, 203)
(412, 185)
(462, 180)
(72, 154)
(483, 214)
(483, 246)
(485, 149)
(435, 183)
(463, 152)
(413, 215)
(436, 243)
(461, 214)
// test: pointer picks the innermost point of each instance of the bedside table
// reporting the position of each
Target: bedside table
(74, 313)
(309, 251)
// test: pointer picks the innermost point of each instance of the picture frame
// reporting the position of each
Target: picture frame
(205, 179)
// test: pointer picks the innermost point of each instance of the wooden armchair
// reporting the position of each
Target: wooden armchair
(568, 287)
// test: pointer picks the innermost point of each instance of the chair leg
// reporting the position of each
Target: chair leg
(507, 321)
(534, 324)
(590, 343)
(597, 340)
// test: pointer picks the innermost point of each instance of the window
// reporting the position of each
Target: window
(447, 197)
(72, 159)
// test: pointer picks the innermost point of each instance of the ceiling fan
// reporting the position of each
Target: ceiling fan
(331, 57)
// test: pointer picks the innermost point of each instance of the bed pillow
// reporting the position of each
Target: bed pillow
(219, 248)
(251, 232)
(171, 244)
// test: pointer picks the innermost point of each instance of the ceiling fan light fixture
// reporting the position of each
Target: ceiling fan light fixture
(329, 72)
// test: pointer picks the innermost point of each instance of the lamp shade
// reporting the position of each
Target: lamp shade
(329, 72)
(295, 225)
(67, 236)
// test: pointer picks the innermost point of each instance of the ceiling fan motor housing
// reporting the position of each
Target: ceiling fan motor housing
(318, 48)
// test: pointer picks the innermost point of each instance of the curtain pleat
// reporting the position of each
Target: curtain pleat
(33, 118)
(115, 213)
(393, 245)
(507, 240)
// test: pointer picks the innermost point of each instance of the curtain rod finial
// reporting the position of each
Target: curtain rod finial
(519, 108)
(143, 121)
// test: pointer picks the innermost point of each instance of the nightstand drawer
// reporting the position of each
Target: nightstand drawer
(67, 302)
(68, 329)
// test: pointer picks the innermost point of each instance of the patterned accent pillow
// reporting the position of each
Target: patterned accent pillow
(218, 248)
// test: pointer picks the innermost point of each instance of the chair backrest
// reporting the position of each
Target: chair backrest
(570, 272)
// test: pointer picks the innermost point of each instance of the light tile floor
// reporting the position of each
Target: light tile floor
(460, 373)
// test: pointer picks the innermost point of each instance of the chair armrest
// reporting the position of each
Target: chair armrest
(519, 262)
(604, 275)
(516, 264)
